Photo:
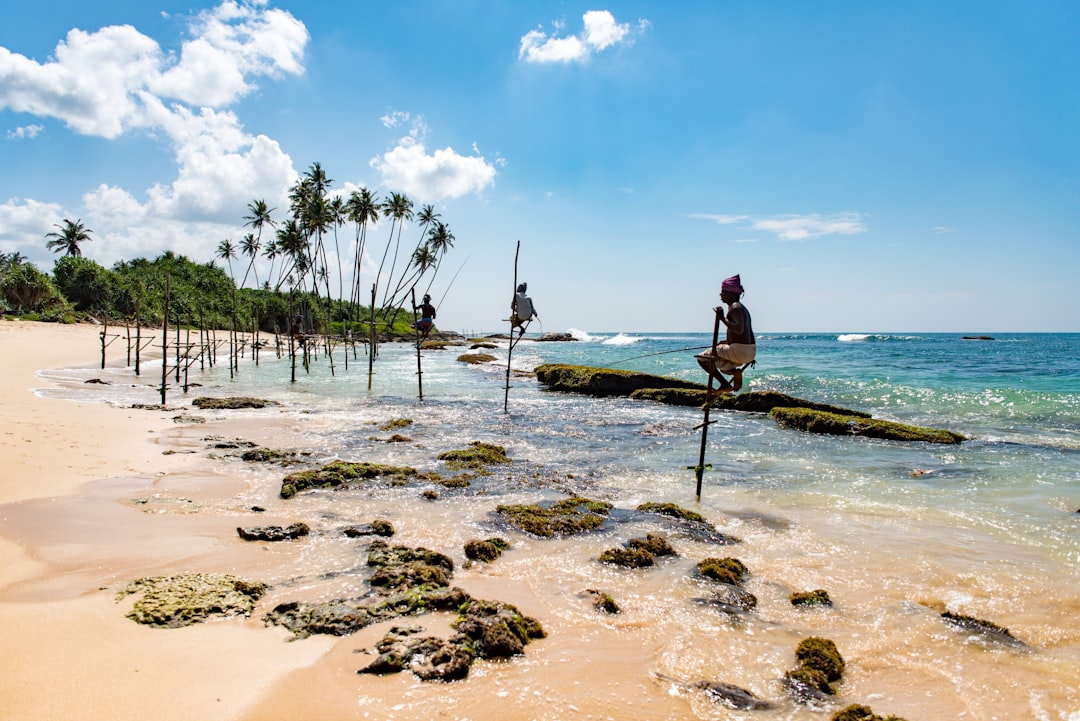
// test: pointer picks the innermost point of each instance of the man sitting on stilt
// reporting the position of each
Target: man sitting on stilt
(738, 348)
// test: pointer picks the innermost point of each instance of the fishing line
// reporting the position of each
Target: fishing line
(663, 352)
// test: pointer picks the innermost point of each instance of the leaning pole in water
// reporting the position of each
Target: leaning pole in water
(419, 367)
(510, 350)
(699, 470)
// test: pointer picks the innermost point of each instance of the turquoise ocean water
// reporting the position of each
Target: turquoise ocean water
(988, 528)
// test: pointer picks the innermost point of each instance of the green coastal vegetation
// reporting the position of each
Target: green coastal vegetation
(302, 278)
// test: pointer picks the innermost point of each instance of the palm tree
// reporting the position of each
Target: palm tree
(426, 217)
(440, 239)
(362, 208)
(249, 246)
(260, 217)
(399, 209)
(70, 236)
(227, 251)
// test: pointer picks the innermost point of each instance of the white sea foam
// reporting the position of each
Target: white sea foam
(581, 335)
(621, 339)
(852, 337)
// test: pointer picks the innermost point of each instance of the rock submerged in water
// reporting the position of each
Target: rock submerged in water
(231, 403)
(858, 712)
(563, 518)
(820, 665)
(274, 533)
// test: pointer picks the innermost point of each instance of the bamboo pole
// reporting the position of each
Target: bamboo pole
(165, 343)
(510, 349)
(699, 470)
(419, 367)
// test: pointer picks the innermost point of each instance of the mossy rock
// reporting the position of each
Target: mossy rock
(671, 509)
(654, 544)
(603, 602)
(185, 599)
(817, 597)
(476, 358)
(751, 402)
(496, 629)
(808, 685)
(477, 455)
(858, 712)
(486, 550)
(274, 533)
(378, 527)
(270, 455)
(628, 557)
(603, 381)
(725, 570)
(231, 403)
(814, 421)
(339, 474)
(821, 655)
(563, 518)
(395, 424)
(428, 657)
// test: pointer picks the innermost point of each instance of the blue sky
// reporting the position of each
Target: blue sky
(865, 166)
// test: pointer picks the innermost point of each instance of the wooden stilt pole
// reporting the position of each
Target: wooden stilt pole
(419, 367)
(700, 469)
(165, 343)
(510, 349)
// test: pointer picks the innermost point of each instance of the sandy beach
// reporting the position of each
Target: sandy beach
(69, 652)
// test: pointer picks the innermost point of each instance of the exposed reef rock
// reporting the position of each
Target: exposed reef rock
(270, 455)
(429, 657)
(476, 358)
(603, 381)
(342, 474)
(820, 665)
(185, 599)
(274, 533)
(814, 421)
(602, 602)
(726, 694)
(726, 570)
(551, 337)
(477, 455)
(858, 712)
(751, 402)
(378, 527)
(817, 597)
(788, 411)
(639, 552)
(563, 518)
(231, 403)
(694, 523)
(486, 550)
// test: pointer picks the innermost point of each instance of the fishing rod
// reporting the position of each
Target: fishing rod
(663, 352)
(448, 287)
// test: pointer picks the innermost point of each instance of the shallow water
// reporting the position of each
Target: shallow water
(988, 528)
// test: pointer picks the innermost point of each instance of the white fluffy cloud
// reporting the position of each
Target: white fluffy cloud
(796, 227)
(599, 32)
(24, 222)
(117, 80)
(445, 173)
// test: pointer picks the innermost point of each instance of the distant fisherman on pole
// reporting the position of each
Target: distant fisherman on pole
(738, 349)
(522, 310)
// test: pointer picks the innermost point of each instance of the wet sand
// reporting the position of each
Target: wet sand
(68, 650)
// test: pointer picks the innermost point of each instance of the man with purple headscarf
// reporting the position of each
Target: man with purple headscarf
(738, 348)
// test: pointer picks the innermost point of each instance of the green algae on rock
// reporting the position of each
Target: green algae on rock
(628, 557)
(750, 402)
(603, 381)
(858, 712)
(820, 666)
(477, 455)
(338, 474)
(234, 402)
(814, 421)
(270, 455)
(476, 358)
(486, 550)
(395, 424)
(186, 599)
(817, 597)
(563, 518)
(725, 570)
(602, 602)
(985, 629)
(671, 509)
(273, 533)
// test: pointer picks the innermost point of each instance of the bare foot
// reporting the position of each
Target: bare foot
(736, 380)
